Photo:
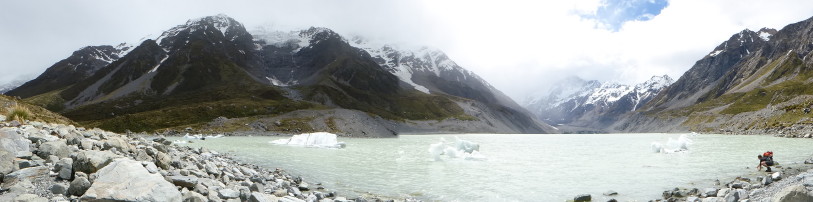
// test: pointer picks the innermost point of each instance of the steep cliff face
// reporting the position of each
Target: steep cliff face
(213, 67)
(754, 82)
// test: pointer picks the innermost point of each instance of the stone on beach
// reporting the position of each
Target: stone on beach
(91, 161)
(797, 193)
(78, 186)
(582, 198)
(128, 180)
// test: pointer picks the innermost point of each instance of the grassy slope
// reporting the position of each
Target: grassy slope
(798, 80)
(37, 113)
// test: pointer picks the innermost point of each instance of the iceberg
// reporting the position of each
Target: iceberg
(681, 144)
(463, 149)
(318, 139)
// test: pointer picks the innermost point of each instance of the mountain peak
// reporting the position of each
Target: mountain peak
(220, 24)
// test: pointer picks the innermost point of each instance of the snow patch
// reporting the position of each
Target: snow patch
(715, 53)
(765, 36)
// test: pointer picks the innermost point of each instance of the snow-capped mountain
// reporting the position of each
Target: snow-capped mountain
(11, 85)
(592, 103)
(215, 67)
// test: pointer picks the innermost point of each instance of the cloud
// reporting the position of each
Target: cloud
(518, 46)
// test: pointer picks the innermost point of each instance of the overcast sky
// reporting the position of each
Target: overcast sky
(517, 46)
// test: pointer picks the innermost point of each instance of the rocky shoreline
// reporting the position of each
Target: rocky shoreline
(54, 162)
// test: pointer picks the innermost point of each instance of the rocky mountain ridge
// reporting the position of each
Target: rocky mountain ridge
(592, 105)
(756, 82)
(213, 67)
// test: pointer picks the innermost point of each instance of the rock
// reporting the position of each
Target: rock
(151, 167)
(11, 144)
(58, 148)
(29, 198)
(303, 186)
(78, 186)
(710, 192)
(26, 174)
(87, 144)
(118, 143)
(128, 180)
(809, 161)
(91, 161)
(228, 194)
(767, 180)
(260, 197)
(290, 199)
(25, 155)
(26, 164)
(65, 168)
(796, 193)
(280, 193)
(776, 176)
(582, 198)
(163, 160)
(58, 189)
(191, 196)
(185, 181)
(141, 155)
(610, 193)
(257, 187)
(692, 199)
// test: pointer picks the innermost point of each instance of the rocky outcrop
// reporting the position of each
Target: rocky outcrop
(128, 180)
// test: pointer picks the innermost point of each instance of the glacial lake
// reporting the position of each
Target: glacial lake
(518, 167)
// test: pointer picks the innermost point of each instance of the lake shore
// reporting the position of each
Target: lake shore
(790, 180)
(54, 162)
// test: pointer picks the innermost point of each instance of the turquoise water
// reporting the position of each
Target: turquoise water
(519, 167)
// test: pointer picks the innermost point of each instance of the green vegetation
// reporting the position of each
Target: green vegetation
(18, 108)
(406, 105)
(18, 113)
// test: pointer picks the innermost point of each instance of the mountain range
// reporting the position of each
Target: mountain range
(575, 105)
(755, 82)
(212, 75)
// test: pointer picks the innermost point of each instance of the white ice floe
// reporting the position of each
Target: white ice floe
(318, 140)
(458, 149)
(681, 144)
(201, 137)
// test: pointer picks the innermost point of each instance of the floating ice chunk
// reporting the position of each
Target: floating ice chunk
(681, 144)
(180, 142)
(318, 139)
(193, 137)
(214, 136)
(459, 149)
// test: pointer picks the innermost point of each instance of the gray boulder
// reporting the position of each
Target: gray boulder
(796, 193)
(26, 174)
(767, 180)
(91, 161)
(163, 160)
(118, 143)
(261, 197)
(228, 194)
(11, 144)
(191, 196)
(78, 186)
(30, 198)
(582, 198)
(776, 176)
(184, 181)
(809, 161)
(710, 192)
(58, 189)
(128, 180)
(257, 187)
(65, 168)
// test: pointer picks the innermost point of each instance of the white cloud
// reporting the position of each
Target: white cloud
(518, 46)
